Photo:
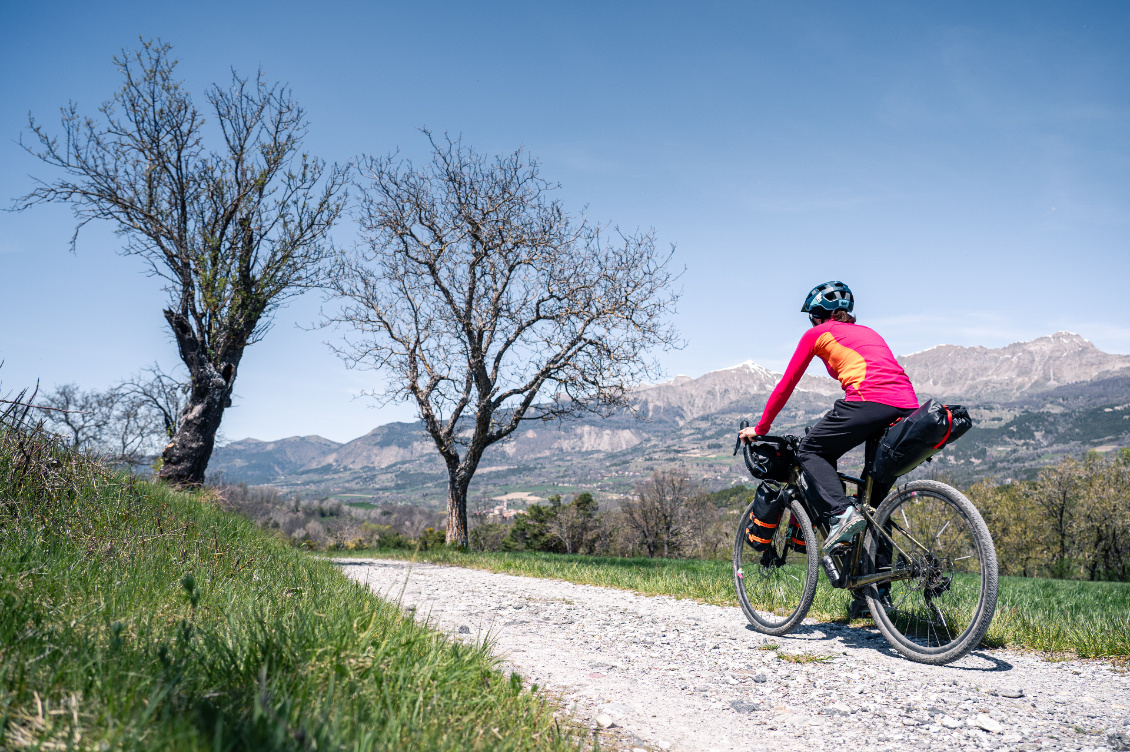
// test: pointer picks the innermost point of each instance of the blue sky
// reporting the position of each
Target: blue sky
(965, 167)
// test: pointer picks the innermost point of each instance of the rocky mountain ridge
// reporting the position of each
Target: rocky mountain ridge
(692, 420)
(1007, 373)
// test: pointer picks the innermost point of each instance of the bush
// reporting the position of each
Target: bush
(488, 536)
(432, 539)
(1072, 521)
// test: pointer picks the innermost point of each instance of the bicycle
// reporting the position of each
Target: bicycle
(925, 563)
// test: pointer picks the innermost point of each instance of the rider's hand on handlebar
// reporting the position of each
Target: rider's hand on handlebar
(748, 434)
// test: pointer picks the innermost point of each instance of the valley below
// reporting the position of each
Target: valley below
(1033, 403)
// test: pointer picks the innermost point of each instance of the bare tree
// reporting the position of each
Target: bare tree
(707, 528)
(233, 232)
(1058, 492)
(475, 293)
(574, 522)
(126, 424)
(133, 428)
(656, 512)
(160, 394)
(82, 417)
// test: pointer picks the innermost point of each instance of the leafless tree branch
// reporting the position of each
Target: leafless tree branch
(233, 232)
(487, 305)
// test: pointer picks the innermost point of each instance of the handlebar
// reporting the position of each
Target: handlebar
(738, 441)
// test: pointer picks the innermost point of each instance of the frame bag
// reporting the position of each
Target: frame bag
(918, 437)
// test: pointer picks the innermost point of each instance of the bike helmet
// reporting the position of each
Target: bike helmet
(825, 299)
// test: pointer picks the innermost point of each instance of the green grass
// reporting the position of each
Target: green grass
(1089, 619)
(135, 617)
(362, 504)
(804, 658)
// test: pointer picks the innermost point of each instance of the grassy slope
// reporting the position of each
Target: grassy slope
(1091, 619)
(138, 618)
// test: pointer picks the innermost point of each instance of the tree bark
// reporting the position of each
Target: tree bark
(185, 457)
(457, 511)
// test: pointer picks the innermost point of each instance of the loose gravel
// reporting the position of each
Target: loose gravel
(665, 673)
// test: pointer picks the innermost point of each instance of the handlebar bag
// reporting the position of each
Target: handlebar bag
(768, 503)
(771, 457)
(911, 441)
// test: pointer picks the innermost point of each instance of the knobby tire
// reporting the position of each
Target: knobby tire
(775, 599)
(944, 610)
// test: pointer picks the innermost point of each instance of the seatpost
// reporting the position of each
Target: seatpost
(867, 491)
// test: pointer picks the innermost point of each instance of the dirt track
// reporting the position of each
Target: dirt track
(676, 674)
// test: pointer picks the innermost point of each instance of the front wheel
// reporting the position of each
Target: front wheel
(775, 588)
(939, 547)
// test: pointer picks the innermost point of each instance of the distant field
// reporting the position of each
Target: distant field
(1090, 619)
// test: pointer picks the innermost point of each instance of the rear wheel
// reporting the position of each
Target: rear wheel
(943, 604)
(775, 588)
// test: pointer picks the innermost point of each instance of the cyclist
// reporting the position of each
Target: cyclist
(877, 392)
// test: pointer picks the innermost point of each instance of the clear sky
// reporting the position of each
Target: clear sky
(965, 167)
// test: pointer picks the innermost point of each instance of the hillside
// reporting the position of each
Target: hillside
(136, 617)
(1034, 402)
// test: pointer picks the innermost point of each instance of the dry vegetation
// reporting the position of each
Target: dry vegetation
(1073, 521)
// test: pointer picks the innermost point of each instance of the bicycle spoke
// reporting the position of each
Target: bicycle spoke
(777, 586)
(939, 600)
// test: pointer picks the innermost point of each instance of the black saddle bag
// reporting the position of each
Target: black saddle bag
(768, 503)
(918, 437)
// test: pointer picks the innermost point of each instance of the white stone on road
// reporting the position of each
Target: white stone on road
(681, 675)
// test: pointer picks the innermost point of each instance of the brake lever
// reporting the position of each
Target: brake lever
(738, 441)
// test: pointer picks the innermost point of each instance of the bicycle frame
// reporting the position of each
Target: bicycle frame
(850, 578)
(939, 623)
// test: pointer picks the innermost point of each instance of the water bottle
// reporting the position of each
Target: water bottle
(831, 570)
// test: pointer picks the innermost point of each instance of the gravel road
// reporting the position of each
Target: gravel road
(680, 675)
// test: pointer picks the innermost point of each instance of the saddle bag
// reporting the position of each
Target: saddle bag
(768, 503)
(918, 437)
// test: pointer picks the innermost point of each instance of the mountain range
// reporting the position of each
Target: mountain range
(1032, 403)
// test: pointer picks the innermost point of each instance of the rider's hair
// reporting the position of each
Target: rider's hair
(843, 316)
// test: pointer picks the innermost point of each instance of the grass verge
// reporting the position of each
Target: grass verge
(1090, 619)
(135, 617)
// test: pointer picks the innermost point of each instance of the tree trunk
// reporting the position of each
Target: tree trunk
(185, 457)
(457, 511)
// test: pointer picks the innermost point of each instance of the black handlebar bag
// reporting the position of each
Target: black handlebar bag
(771, 457)
(918, 437)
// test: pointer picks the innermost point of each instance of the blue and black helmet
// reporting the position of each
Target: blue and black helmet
(826, 299)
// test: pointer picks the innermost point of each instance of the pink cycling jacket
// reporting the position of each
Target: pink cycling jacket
(855, 356)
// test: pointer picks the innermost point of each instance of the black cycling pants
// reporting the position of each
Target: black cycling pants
(846, 426)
